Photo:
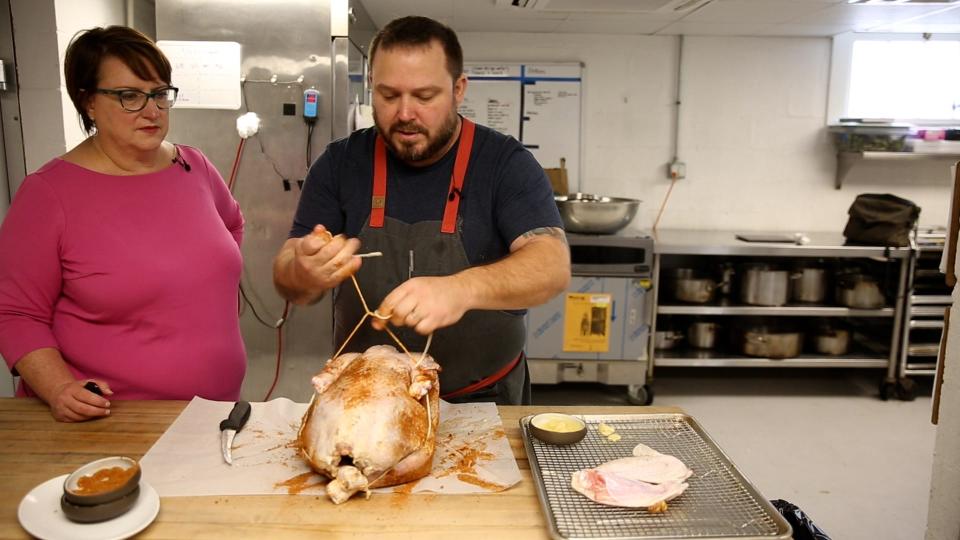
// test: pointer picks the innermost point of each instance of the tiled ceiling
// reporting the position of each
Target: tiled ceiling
(694, 17)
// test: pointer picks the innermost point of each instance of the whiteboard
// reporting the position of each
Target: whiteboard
(538, 104)
(206, 72)
(495, 104)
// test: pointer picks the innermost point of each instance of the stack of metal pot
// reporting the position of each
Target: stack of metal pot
(808, 284)
(688, 285)
(666, 339)
(763, 284)
(859, 290)
(703, 334)
(772, 341)
(832, 341)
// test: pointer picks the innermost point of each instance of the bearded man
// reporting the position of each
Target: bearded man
(464, 217)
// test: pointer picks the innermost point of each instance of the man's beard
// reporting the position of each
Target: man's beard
(412, 152)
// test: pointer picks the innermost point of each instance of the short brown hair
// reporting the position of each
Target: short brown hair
(420, 31)
(87, 50)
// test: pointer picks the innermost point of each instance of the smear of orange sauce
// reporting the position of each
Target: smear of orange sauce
(477, 481)
(406, 489)
(301, 482)
(466, 460)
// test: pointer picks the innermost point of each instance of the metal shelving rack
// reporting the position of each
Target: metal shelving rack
(868, 141)
(706, 245)
(925, 304)
(846, 160)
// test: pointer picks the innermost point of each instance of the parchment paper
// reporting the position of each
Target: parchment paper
(472, 454)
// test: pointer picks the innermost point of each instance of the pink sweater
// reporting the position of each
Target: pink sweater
(132, 278)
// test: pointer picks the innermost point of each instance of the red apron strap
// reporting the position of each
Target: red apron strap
(379, 183)
(486, 382)
(449, 223)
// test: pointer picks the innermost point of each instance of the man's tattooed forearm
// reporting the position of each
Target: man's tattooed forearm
(555, 232)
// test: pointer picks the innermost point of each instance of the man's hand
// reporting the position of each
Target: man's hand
(71, 402)
(424, 304)
(315, 263)
(537, 269)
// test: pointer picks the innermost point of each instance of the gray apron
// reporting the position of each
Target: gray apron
(481, 355)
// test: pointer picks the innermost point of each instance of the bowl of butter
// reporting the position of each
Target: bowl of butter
(558, 428)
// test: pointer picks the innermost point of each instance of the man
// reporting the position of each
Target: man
(463, 215)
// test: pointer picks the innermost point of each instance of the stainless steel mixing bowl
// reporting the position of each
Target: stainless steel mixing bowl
(593, 214)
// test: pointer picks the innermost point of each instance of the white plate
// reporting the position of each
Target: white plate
(41, 516)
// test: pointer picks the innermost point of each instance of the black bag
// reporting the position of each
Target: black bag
(881, 219)
(803, 527)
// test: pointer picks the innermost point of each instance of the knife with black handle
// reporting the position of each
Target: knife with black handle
(230, 426)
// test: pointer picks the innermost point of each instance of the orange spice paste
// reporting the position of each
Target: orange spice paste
(104, 480)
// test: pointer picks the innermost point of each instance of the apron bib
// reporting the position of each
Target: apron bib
(481, 355)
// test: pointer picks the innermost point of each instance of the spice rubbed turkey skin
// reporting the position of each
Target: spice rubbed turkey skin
(368, 424)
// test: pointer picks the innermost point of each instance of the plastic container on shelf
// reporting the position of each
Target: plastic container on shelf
(931, 134)
(934, 146)
(851, 137)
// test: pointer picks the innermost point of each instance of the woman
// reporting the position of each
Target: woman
(120, 260)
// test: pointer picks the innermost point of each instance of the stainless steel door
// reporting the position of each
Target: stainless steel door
(281, 40)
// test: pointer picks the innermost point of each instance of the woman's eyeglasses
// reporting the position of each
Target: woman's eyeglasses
(134, 100)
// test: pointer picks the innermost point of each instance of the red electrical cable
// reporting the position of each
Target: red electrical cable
(276, 373)
(286, 305)
(663, 205)
(236, 165)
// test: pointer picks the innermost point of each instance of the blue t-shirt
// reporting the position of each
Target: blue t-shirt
(505, 193)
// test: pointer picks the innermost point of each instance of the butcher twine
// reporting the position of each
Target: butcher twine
(368, 313)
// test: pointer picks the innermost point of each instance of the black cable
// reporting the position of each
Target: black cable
(309, 143)
(246, 107)
(254, 310)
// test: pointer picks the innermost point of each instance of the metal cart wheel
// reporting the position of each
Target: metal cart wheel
(906, 389)
(888, 389)
(640, 394)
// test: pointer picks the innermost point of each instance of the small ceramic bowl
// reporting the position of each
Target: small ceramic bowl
(556, 428)
(99, 512)
(102, 481)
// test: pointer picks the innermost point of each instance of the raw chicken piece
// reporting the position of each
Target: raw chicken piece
(655, 469)
(644, 450)
(614, 490)
(370, 423)
(648, 479)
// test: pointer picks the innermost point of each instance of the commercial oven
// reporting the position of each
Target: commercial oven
(598, 330)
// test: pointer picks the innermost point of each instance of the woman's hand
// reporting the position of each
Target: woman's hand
(47, 374)
(71, 402)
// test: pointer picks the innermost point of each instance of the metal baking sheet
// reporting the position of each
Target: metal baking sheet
(720, 502)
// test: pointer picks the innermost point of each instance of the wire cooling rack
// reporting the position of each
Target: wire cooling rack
(719, 502)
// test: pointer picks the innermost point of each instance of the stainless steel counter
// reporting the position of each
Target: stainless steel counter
(821, 244)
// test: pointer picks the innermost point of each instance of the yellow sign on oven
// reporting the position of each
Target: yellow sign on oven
(586, 322)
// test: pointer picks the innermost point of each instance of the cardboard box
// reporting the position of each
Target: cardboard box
(558, 178)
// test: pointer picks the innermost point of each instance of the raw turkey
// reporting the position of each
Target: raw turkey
(372, 421)
(647, 479)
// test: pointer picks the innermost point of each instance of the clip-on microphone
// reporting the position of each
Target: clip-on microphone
(178, 159)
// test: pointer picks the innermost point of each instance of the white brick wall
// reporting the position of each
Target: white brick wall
(751, 129)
